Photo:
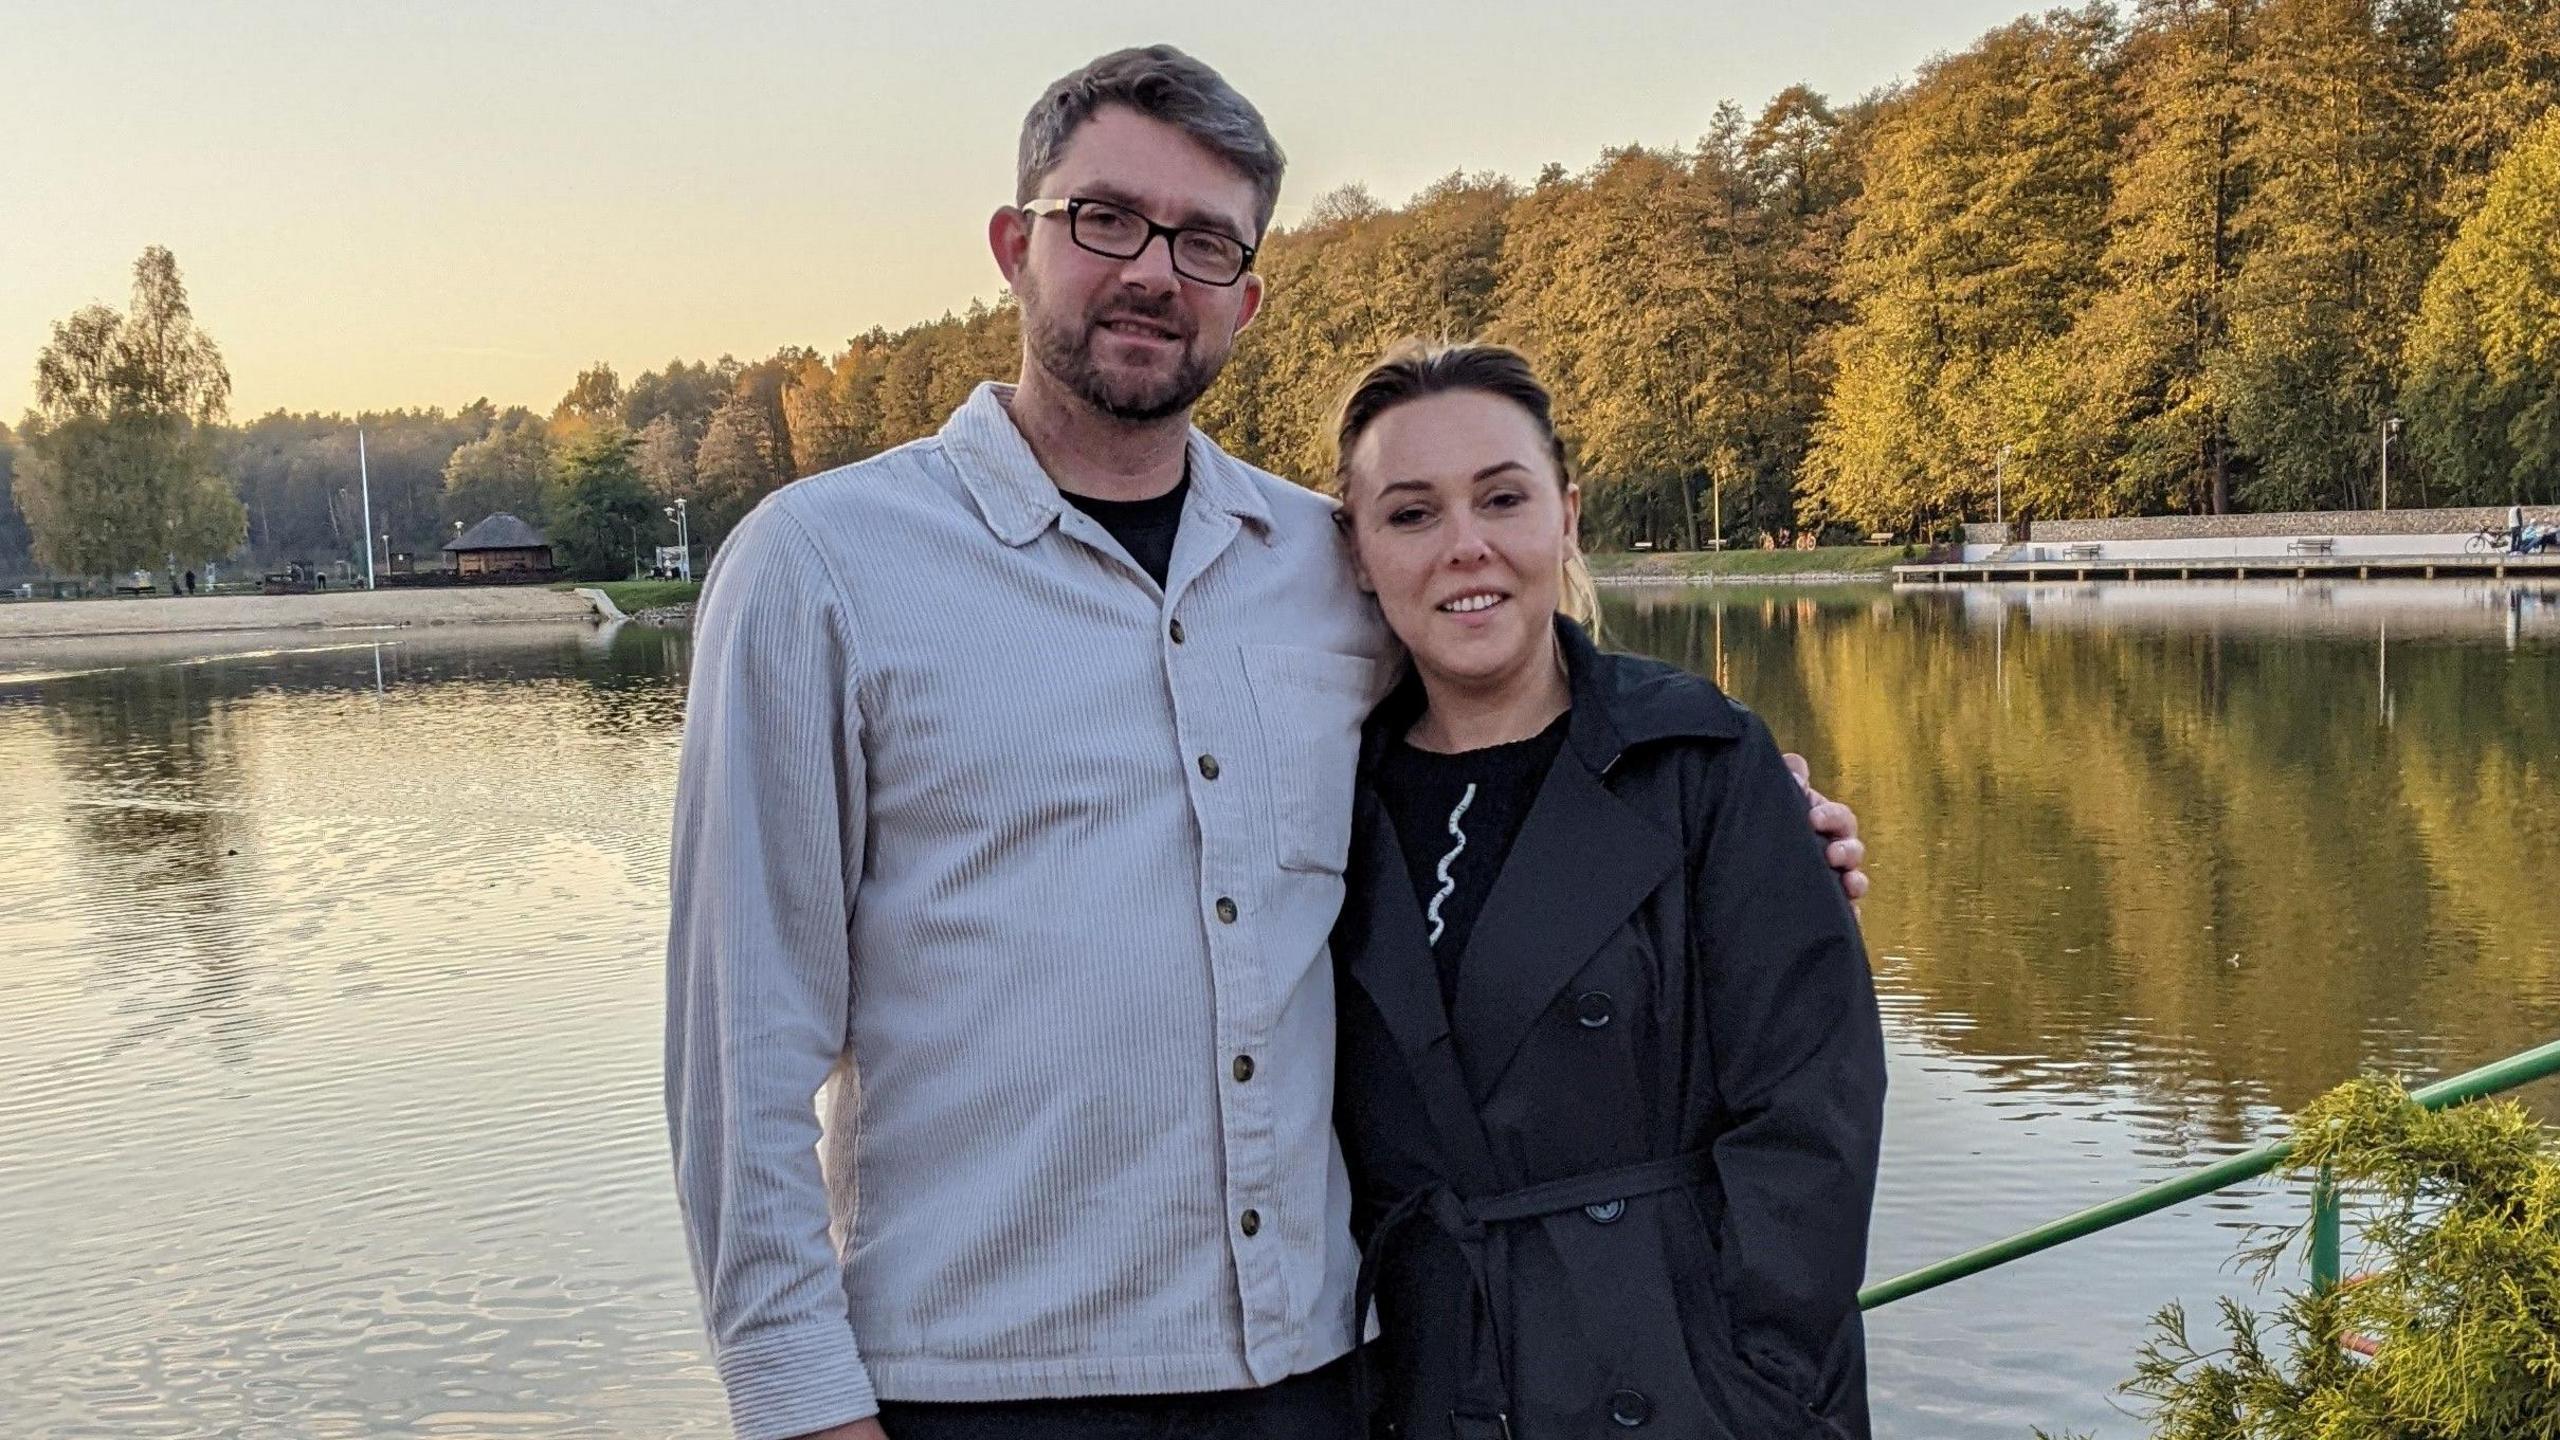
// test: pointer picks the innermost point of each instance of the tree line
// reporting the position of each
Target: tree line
(2189, 257)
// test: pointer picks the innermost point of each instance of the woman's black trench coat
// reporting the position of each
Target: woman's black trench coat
(1622, 1185)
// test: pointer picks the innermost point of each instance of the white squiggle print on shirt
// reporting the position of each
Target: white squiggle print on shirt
(1448, 884)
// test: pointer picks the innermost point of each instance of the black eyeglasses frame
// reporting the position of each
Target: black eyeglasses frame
(1073, 206)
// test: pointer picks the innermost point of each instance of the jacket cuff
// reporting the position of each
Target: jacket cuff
(791, 1382)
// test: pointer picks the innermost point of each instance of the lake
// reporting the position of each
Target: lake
(329, 1098)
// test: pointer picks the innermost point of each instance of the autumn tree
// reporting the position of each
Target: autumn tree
(685, 395)
(119, 470)
(2502, 73)
(1625, 286)
(2144, 359)
(2175, 264)
(1803, 159)
(833, 405)
(734, 469)
(1342, 287)
(661, 455)
(1978, 240)
(594, 398)
(513, 469)
(2337, 230)
(2483, 393)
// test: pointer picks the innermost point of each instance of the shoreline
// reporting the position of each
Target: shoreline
(353, 610)
(1781, 577)
(1827, 565)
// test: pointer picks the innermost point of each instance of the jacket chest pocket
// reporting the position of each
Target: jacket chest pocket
(1309, 705)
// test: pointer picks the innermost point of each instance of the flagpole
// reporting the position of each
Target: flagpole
(365, 478)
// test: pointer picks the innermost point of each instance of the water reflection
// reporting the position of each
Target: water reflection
(329, 1050)
(328, 1064)
(155, 778)
(2183, 834)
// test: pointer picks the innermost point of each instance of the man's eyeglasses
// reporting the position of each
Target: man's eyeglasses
(1117, 232)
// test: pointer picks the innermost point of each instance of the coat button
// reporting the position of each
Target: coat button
(1243, 1068)
(1594, 1009)
(1208, 767)
(1630, 1408)
(1175, 630)
(1227, 913)
(1606, 1214)
(1250, 1222)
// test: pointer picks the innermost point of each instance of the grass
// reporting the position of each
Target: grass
(634, 596)
(1875, 560)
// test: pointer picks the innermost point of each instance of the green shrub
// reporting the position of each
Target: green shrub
(2458, 1218)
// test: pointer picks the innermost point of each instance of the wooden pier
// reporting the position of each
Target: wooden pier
(2241, 567)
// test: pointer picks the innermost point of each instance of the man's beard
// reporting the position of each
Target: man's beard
(1065, 350)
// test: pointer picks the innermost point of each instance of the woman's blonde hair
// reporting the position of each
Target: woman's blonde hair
(1414, 369)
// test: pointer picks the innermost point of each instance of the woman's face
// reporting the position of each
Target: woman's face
(1460, 525)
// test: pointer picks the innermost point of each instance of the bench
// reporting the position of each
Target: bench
(2085, 551)
(2311, 545)
(129, 588)
(1880, 537)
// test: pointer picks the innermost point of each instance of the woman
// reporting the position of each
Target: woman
(1612, 1076)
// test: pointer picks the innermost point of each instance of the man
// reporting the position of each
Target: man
(1013, 811)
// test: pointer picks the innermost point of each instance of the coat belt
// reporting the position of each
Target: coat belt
(1480, 1228)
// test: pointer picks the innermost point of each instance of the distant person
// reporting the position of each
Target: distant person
(1011, 821)
(191, 582)
(1612, 1077)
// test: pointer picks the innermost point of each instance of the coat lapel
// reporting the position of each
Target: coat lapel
(1580, 840)
(1392, 964)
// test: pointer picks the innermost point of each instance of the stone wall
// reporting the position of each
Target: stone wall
(2240, 527)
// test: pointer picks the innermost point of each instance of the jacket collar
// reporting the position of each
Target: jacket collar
(1018, 500)
(1525, 948)
(1619, 703)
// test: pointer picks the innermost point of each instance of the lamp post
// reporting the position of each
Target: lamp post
(2390, 428)
(684, 538)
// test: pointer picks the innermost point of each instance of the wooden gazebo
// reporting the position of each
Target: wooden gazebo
(499, 545)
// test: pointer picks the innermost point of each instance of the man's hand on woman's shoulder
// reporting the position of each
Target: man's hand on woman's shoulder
(1837, 824)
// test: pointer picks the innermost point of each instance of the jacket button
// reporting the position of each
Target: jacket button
(1243, 1068)
(1175, 630)
(1227, 911)
(1606, 1214)
(1630, 1408)
(1208, 767)
(1593, 1008)
(1250, 1222)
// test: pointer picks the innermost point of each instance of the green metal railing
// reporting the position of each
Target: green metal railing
(2535, 1064)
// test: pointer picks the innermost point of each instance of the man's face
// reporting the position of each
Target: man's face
(1136, 340)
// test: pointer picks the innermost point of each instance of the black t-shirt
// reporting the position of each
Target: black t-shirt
(1144, 528)
(1456, 816)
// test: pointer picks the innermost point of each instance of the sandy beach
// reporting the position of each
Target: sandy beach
(32, 620)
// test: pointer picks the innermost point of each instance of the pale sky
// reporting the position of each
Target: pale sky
(388, 204)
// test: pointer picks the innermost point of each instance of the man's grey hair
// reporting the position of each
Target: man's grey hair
(1162, 83)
